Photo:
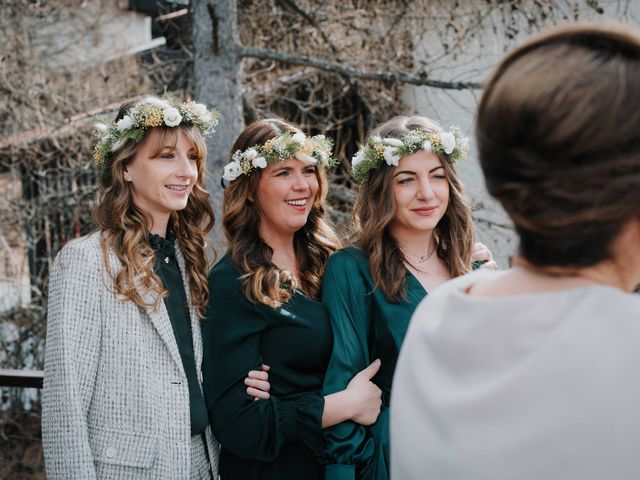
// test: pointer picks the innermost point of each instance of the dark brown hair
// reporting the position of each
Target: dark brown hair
(313, 243)
(375, 209)
(125, 227)
(558, 134)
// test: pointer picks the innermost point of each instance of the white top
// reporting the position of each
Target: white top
(525, 387)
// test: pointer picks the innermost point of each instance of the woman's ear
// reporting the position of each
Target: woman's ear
(126, 174)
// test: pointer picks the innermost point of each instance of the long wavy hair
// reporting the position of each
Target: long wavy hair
(125, 227)
(313, 243)
(375, 209)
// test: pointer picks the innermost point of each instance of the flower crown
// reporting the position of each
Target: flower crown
(313, 150)
(453, 145)
(151, 112)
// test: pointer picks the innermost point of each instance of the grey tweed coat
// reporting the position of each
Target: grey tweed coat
(115, 401)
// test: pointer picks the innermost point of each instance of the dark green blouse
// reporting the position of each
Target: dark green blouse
(168, 270)
(365, 326)
(265, 439)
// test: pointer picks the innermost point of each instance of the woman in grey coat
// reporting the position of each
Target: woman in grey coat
(122, 388)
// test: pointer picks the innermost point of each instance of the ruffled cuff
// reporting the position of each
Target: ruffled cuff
(302, 420)
(340, 472)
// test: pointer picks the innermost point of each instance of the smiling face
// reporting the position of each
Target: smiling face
(421, 193)
(285, 194)
(162, 175)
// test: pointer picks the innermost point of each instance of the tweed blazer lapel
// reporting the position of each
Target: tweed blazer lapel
(193, 314)
(159, 317)
(160, 320)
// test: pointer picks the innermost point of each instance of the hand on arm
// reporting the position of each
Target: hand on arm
(482, 255)
(257, 383)
(360, 401)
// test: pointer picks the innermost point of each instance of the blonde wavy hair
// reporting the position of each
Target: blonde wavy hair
(125, 227)
(313, 243)
(375, 210)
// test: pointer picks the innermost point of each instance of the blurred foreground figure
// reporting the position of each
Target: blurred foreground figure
(532, 373)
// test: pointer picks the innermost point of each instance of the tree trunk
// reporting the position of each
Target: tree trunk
(217, 83)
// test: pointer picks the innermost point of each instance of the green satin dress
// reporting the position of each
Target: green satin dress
(278, 438)
(365, 326)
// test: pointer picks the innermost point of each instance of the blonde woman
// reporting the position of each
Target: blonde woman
(414, 232)
(122, 386)
(265, 309)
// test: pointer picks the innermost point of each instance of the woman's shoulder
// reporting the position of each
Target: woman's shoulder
(82, 252)
(225, 278)
(349, 257)
(347, 268)
(225, 268)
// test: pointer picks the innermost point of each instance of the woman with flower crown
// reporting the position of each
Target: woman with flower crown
(413, 231)
(265, 309)
(122, 385)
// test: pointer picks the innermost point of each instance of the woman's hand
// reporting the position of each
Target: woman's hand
(365, 396)
(257, 383)
(481, 253)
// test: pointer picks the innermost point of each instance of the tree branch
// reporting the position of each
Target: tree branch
(296, 8)
(420, 79)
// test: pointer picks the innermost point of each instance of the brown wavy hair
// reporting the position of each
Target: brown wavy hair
(313, 243)
(559, 141)
(375, 209)
(125, 227)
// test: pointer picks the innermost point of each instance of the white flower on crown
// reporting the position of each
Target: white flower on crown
(299, 137)
(357, 158)
(201, 110)
(306, 158)
(231, 171)
(426, 146)
(259, 162)
(390, 156)
(392, 142)
(172, 117)
(320, 137)
(323, 155)
(101, 127)
(448, 142)
(124, 123)
(118, 145)
(250, 154)
(376, 139)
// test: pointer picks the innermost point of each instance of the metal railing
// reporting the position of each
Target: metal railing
(20, 432)
(21, 378)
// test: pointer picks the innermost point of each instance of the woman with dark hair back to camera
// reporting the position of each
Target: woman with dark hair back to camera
(414, 232)
(122, 384)
(265, 309)
(532, 373)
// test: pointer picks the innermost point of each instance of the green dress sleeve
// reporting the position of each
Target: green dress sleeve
(344, 293)
(251, 430)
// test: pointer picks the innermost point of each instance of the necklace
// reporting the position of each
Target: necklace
(417, 259)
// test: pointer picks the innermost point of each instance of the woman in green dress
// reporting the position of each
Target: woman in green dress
(414, 231)
(265, 309)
